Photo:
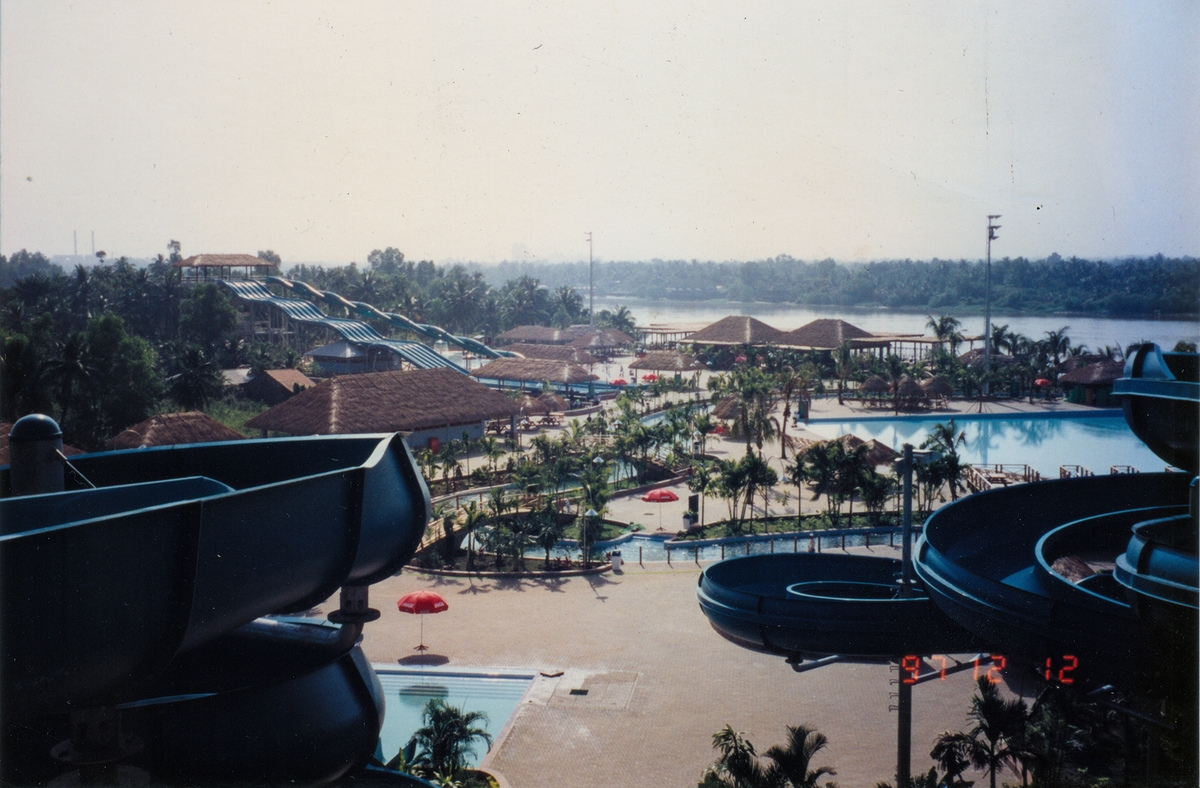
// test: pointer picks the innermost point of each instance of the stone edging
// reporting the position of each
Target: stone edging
(598, 569)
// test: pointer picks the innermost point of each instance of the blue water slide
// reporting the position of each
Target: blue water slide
(356, 331)
(824, 603)
(400, 321)
(148, 593)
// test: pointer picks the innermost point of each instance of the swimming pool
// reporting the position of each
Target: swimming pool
(1095, 442)
(653, 547)
(406, 691)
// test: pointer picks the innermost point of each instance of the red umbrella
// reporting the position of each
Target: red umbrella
(660, 496)
(1041, 382)
(421, 603)
(620, 382)
(651, 377)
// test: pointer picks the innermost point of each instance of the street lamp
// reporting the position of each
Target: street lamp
(591, 515)
(905, 464)
(987, 320)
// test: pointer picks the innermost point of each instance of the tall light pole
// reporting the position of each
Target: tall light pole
(987, 320)
(591, 288)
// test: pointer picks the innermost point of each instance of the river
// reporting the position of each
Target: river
(1094, 332)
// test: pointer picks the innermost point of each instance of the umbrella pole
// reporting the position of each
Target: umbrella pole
(422, 647)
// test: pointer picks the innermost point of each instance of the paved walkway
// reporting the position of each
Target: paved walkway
(660, 680)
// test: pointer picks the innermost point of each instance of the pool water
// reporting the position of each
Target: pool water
(1095, 442)
(650, 547)
(407, 690)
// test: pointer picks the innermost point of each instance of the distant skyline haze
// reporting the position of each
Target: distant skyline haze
(482, 132)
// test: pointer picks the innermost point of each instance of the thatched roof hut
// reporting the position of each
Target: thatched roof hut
(603, 340)
(530, 405)
(172, 429)
(910, 389)
(554, 402)
(879, 453)
(6, 427)
(538, 335)
(736, 330)
(668, 361)
(555, 353)
(1101, 373)
(875, 385)
(937, 386)
(420, 399)
(222, 266)
(829, 334)
(728, 408)
(533, 370)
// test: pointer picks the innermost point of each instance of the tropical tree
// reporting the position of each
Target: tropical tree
(997, 736)
(472, 517)
(701, 481)
(207, 317)
(72, 370)
(843, 365)
(793, 761)
(876, 489)
(448, 736)
(943, 439)
(1058, 344)
(737, 765)
(196, 380)
(946, 329)
(547, 531)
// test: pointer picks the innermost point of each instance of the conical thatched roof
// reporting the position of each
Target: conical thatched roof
(828, 334)
(879, 453)
(171, 429)
(875, 385)
(667, 360)
(604, 339)
(1102, 373)
(533, 370)
(6, 427)
(531, 405)
(736, 330)
(554, 402)
(728, 408)
(555, 353)
(851, 441)
(937, 386)
(910, 388)
(386, 402)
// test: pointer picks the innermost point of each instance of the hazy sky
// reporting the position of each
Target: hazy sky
(488, 131)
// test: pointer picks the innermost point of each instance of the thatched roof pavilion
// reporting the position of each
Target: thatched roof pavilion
(422, 399)
(728, 408)
(879, 453)
(223, 266)
(937, 386)
(172, 429)
(736, 330)
(538, 335)
(875, 385)
(829, 334)
(554, 402)
(667, 361)
(602, 340)
(530, 405)
(1101, 373)
(555, 353)
(533, 370)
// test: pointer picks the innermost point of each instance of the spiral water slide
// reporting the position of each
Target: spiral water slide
(1099, 573)
(431, 332)
(161, 597)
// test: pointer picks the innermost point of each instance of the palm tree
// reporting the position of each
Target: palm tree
(548, 531)
(737, 766)
(943, 439)
(843, 363)
(1057, 344)
(72, 371)
(945, 328)
(448, 736)
(793, 762)
(997, 736)
(701, 481)
(472, 517)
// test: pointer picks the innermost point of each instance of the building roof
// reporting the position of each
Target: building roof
(386, 402)
(6, 427)
(337, 350)
(541, 335)
(736, 330)
(668, 360)
(289, 378)
(828, 334)
(1102, 373)
(533, 370)
(224, 261)
(172, 429)
(604, 339)
(555, 353)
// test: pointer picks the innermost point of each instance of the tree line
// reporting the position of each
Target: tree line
(1134, 287)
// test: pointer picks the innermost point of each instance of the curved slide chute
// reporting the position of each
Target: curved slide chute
(355, 331)
(158, 592)
(400, 321)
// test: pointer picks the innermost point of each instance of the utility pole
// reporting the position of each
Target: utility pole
(591, 287)
(987, 320)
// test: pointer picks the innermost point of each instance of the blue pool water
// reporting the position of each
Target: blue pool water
(407, 690)
(1095, 442)
(652, 547)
